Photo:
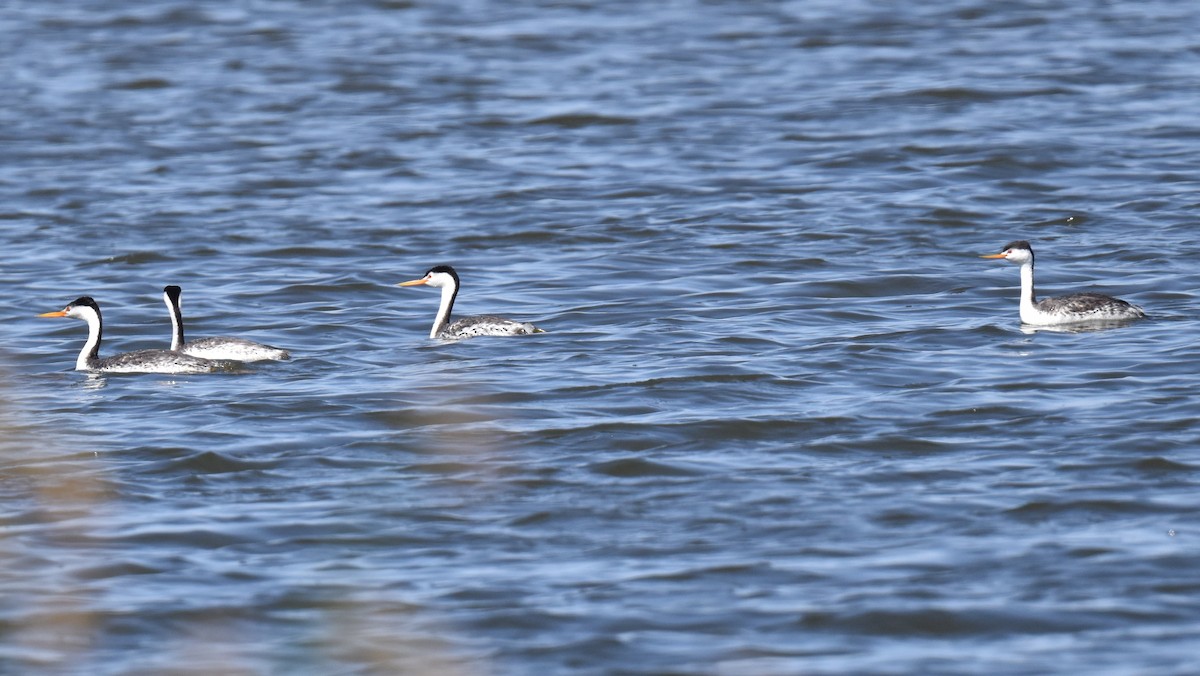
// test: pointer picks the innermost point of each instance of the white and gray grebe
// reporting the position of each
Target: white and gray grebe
(445, 278)
(140, 361)
(1076, 308)
(238, 349)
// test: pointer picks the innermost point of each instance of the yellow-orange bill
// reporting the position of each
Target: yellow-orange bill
(58, 313)
(414, 282)
(999, 255)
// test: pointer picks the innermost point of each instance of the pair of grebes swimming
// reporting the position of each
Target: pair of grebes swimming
(210, 354)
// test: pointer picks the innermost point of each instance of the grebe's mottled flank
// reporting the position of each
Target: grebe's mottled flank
(238, 349)
(141, 361)
(1076, 308)
(445, 278)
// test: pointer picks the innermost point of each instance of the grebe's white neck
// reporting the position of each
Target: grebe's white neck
(1029, 311)
(86, 309)
(91, 349)
(442, 318)
(445, 278)
(172, 300)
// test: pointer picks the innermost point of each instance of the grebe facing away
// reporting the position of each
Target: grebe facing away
(238, 349)
(445, 278)
(1076, 308)
(141, 361)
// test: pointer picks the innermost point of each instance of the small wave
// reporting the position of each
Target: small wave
(210, 462)
(134, 258)
(631, 468)
(142, 83)
(966, 622)
(1159, 464)
(577, 120)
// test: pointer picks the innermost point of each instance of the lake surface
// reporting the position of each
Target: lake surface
(783, 420)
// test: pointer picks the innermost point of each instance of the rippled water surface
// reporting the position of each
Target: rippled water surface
(783, 420)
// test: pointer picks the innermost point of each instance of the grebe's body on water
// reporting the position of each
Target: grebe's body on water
(445, 278)
(1076, 308)
(141, 361)
(238, 349)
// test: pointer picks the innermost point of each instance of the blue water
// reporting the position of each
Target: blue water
(784, 420)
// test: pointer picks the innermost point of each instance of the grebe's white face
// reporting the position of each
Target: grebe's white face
(1014, 255)
(439, 280)
(84, 312)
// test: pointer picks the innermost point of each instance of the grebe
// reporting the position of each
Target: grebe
(238, 349)
(1072, 309)
(141, 361)
(445, 278)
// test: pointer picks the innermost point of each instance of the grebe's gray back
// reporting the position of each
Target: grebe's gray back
(140, 361)
(1076, 308)
(238, 349)
(445, 278)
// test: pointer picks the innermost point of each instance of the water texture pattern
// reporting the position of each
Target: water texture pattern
(783, 420)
